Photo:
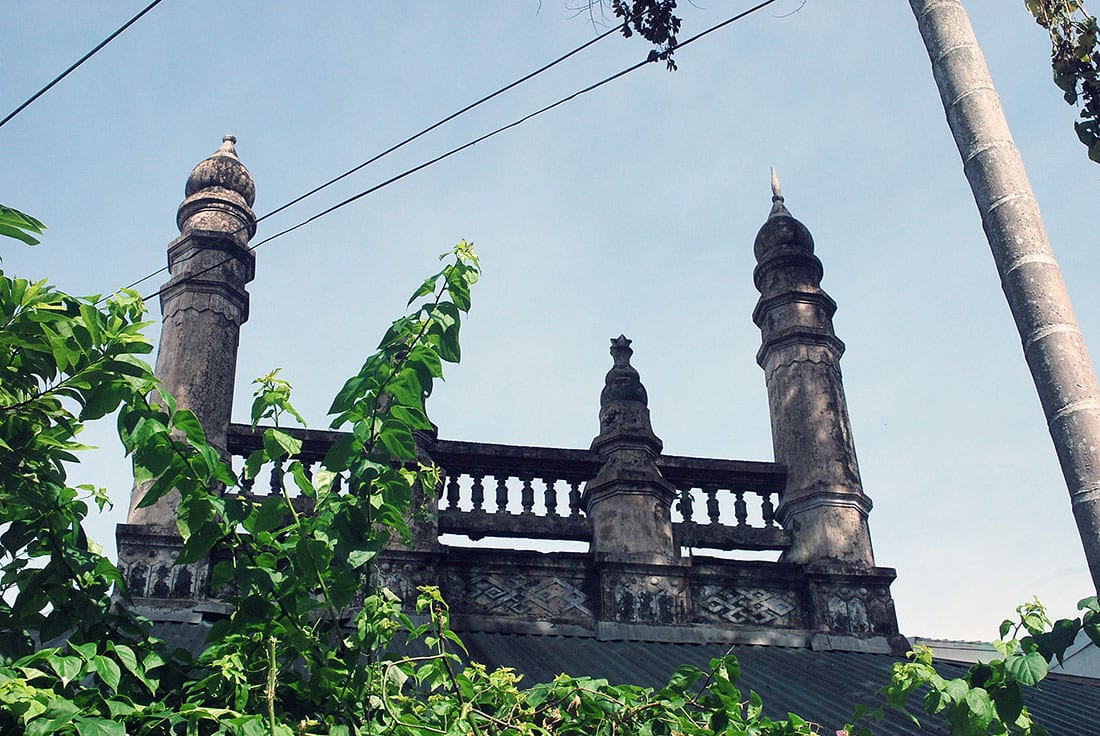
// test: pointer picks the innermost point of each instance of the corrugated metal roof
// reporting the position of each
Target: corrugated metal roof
(823, 686)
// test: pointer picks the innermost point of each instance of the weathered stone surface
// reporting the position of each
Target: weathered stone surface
(823, 504)
(147, 559)
(633, 583)
(629, 500)
(204, 304)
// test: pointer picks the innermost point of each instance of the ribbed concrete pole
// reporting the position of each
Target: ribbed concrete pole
(1053, 345)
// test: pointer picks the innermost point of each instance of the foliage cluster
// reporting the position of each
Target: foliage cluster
(989, 699)
(311, 644)
(1075, 59)
(655, 21)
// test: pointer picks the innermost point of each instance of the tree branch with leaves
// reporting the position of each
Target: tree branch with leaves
(1075, 60)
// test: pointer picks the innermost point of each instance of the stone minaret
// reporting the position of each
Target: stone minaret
(205, 303)
(823, 504)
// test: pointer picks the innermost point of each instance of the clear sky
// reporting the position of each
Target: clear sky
(632, 209)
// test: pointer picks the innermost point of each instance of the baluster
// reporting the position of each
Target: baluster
(452, 491)
(527, 496)
(477, 493)
(769, 510)
(550, 497)
(502, 494)
(338, 483)
(277, 480)
(574, 498)
(740, 509)
(712, 503)
(246, 485)
(307, 470)
(685, 503)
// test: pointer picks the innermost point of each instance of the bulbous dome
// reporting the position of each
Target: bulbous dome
(223, 169)
(622, 382)
(782, 229)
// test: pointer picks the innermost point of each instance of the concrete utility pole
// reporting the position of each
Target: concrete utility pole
(1053, 345)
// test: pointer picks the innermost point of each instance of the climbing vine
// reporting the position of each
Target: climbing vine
(311, 644)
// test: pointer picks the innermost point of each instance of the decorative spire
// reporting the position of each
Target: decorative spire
(623, 382)
(628, 501)
(223, 170)
(219, 196)
(778, 208)
(781, 228)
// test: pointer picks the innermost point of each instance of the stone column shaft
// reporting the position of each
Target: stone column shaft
(204, 305)
(823, 504)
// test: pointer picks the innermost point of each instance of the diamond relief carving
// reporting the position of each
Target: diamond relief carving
(748, 606)
(518, 595)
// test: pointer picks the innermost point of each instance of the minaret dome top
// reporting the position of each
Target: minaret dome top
(224, 170)
(781, 228)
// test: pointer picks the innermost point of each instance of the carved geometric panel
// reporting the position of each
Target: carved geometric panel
(534, 597)
(747, 606)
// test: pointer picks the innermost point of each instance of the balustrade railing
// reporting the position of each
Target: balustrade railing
(492, 490)
(711, 510)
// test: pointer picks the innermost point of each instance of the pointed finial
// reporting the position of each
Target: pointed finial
(778, 208)
(224, 170)
(621, 350)
(227, 146)
(622, 382)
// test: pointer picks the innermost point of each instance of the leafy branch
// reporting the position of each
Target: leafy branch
(1075, 60)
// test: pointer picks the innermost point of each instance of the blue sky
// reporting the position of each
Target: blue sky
(632, 209)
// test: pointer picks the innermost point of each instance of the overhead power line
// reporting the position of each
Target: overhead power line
(80, 61)
(469, 144)
(415, 136)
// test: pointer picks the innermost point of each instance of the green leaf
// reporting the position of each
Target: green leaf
(108, 671)
(59, 711)
(67, 668)
(1027, 669)
(186, 421)
(428, 287)
(339, 455)
(254, 462)
(279, 444)
(200, 542)
(981, 707)
(272, 514)
(682, 679)
(19, 225)
(86, 650)
(410, 417)
(398, 440)
(1009, 702)
(305, 485)
(99, 727)
(956, 689)
(1061, 636)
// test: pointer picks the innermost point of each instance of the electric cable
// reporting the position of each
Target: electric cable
(80, 61)
(464, 146)
(422, 133)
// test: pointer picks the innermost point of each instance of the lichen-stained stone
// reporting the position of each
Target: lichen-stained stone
(823, 505)
(205, 303)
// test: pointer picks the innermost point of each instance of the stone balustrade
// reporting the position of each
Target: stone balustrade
(519, 492)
